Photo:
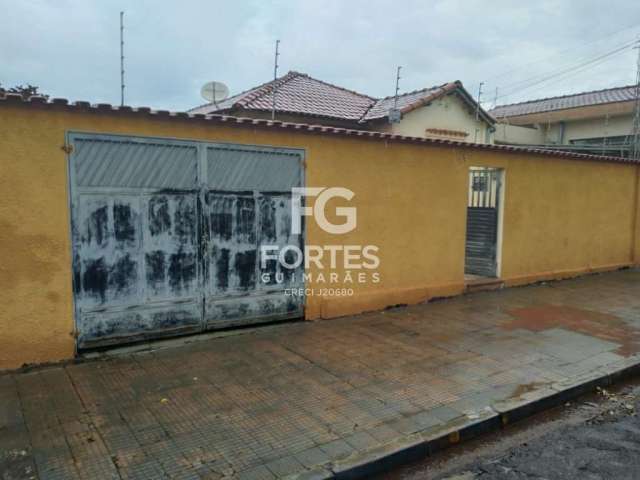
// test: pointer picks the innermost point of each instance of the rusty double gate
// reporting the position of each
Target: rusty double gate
(166, 236)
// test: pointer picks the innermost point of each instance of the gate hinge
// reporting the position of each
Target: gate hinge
(67, 148)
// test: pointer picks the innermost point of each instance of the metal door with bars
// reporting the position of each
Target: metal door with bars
(483, 205)
(166, 236)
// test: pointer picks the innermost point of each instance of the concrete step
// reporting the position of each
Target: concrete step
(479, 284)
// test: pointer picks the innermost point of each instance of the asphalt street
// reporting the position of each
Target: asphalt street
(596, 437)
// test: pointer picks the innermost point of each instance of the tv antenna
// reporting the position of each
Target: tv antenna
(275, 78)
(394, 113)
(478, 102)
(121, 58)
(635, 141)
(395, 100)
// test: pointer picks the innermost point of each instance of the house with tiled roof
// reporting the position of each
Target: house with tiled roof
(445, 111)
(599, 121)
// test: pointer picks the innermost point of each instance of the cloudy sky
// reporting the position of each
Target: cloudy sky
(70, 48)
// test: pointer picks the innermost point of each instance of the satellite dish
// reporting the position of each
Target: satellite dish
(214, 91)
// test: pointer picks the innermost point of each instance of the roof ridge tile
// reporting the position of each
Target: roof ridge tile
(418, 90)
(568, 95)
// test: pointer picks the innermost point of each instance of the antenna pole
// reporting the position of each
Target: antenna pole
(477, 130)
(635, 145)
(275, 77)
(121, 58)
(395, 100)
(478, 102)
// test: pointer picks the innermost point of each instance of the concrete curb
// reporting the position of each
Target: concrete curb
(419, 445)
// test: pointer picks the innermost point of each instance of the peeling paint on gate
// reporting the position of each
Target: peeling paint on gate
(239, 224)
(171, 248)
(157, 252)
(249, 205)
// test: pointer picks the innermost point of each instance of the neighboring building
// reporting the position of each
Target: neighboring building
(446, 112)
(599, 122)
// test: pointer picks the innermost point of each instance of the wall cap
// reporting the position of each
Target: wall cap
(39, 102)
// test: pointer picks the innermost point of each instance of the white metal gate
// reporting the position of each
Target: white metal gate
(166, 235)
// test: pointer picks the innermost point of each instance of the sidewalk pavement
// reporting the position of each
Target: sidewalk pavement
(320, 399)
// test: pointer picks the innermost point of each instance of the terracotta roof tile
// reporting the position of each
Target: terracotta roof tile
(407, 101)
(298, 93)
(584, 99)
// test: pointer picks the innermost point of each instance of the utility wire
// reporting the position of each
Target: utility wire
(561, 53)
(560, 70)
(573, 69)
(564, 77)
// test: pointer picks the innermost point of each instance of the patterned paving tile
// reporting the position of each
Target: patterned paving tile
(285, 399)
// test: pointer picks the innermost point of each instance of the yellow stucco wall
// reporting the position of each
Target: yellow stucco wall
(35, 284)
(561, 216)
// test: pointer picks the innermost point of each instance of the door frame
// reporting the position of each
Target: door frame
(500, 201)
(499, 233)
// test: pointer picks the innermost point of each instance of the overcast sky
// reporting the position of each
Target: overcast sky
(70, 48)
